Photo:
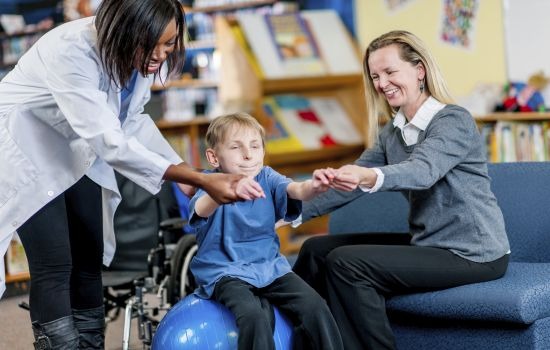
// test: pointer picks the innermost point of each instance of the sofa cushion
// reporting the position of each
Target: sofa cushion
(521, 296)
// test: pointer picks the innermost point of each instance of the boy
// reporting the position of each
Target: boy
(238, 262)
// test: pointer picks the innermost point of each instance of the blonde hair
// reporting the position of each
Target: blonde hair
(412, 50)
(219, 127)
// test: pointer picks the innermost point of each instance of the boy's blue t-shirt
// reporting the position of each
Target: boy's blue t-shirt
(239, 239)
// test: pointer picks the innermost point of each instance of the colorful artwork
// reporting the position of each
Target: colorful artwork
(458, 20)
(295, 44)
(292, 36)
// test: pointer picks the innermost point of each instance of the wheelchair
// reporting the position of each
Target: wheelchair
(153, 255)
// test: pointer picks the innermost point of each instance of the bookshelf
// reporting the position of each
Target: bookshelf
(185, 104)
(516, 136)
(241, 85)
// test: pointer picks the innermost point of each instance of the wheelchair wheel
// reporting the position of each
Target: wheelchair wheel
(182, 282)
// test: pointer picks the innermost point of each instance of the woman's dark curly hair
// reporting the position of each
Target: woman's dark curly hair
(126, 28)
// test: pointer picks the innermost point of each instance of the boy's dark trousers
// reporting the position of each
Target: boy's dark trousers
(314, 326)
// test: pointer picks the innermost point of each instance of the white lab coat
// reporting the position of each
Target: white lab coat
(59, 121)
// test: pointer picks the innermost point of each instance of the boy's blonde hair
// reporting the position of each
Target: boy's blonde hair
(218, 127)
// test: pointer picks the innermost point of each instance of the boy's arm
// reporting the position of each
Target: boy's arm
(205, 206)
(308, 189)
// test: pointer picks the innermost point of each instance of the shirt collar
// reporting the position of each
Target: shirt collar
(423, 116)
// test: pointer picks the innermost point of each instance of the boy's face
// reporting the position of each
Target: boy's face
(241, 152)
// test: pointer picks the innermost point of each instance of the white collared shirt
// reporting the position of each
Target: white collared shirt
(409, 131)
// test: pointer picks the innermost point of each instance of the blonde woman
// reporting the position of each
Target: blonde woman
(431, 151)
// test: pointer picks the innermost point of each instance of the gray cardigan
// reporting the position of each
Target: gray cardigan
(444, 177)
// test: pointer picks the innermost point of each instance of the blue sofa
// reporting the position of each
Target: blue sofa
(510, 313)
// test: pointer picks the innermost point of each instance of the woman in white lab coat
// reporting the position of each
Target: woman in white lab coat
(71, 111)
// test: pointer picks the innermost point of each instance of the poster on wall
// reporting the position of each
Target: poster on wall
(458, 18)
(394, 5)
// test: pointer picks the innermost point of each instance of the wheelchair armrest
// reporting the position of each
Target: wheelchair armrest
(172, 224)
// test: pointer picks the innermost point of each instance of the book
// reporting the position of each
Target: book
(537, 142)
(279, 136)
(546, 139)
(307, 123)
(258, 37)
(309, 43)
(514, 141)
(336, 45)
(295, 45)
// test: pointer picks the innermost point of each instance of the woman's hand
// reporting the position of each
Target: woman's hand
(227, 188)
(349, 177)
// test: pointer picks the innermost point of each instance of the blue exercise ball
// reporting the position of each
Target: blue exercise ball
(195, 323)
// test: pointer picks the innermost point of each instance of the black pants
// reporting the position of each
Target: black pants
(314, 326)
(357, 272)
(64, 246)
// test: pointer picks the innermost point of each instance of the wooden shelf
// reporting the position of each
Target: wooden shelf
(513, 116)
(229, 7)
(18, 277)
(163, 124)
(325, 82)
(186, 84)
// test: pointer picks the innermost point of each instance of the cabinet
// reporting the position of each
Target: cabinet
(512, 137)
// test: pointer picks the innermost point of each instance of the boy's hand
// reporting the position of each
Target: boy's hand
(248, 189)
(187, 189)
(321, 179)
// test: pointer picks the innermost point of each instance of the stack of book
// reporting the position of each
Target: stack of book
(509, 141)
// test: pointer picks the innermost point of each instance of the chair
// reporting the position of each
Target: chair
(509, 313)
